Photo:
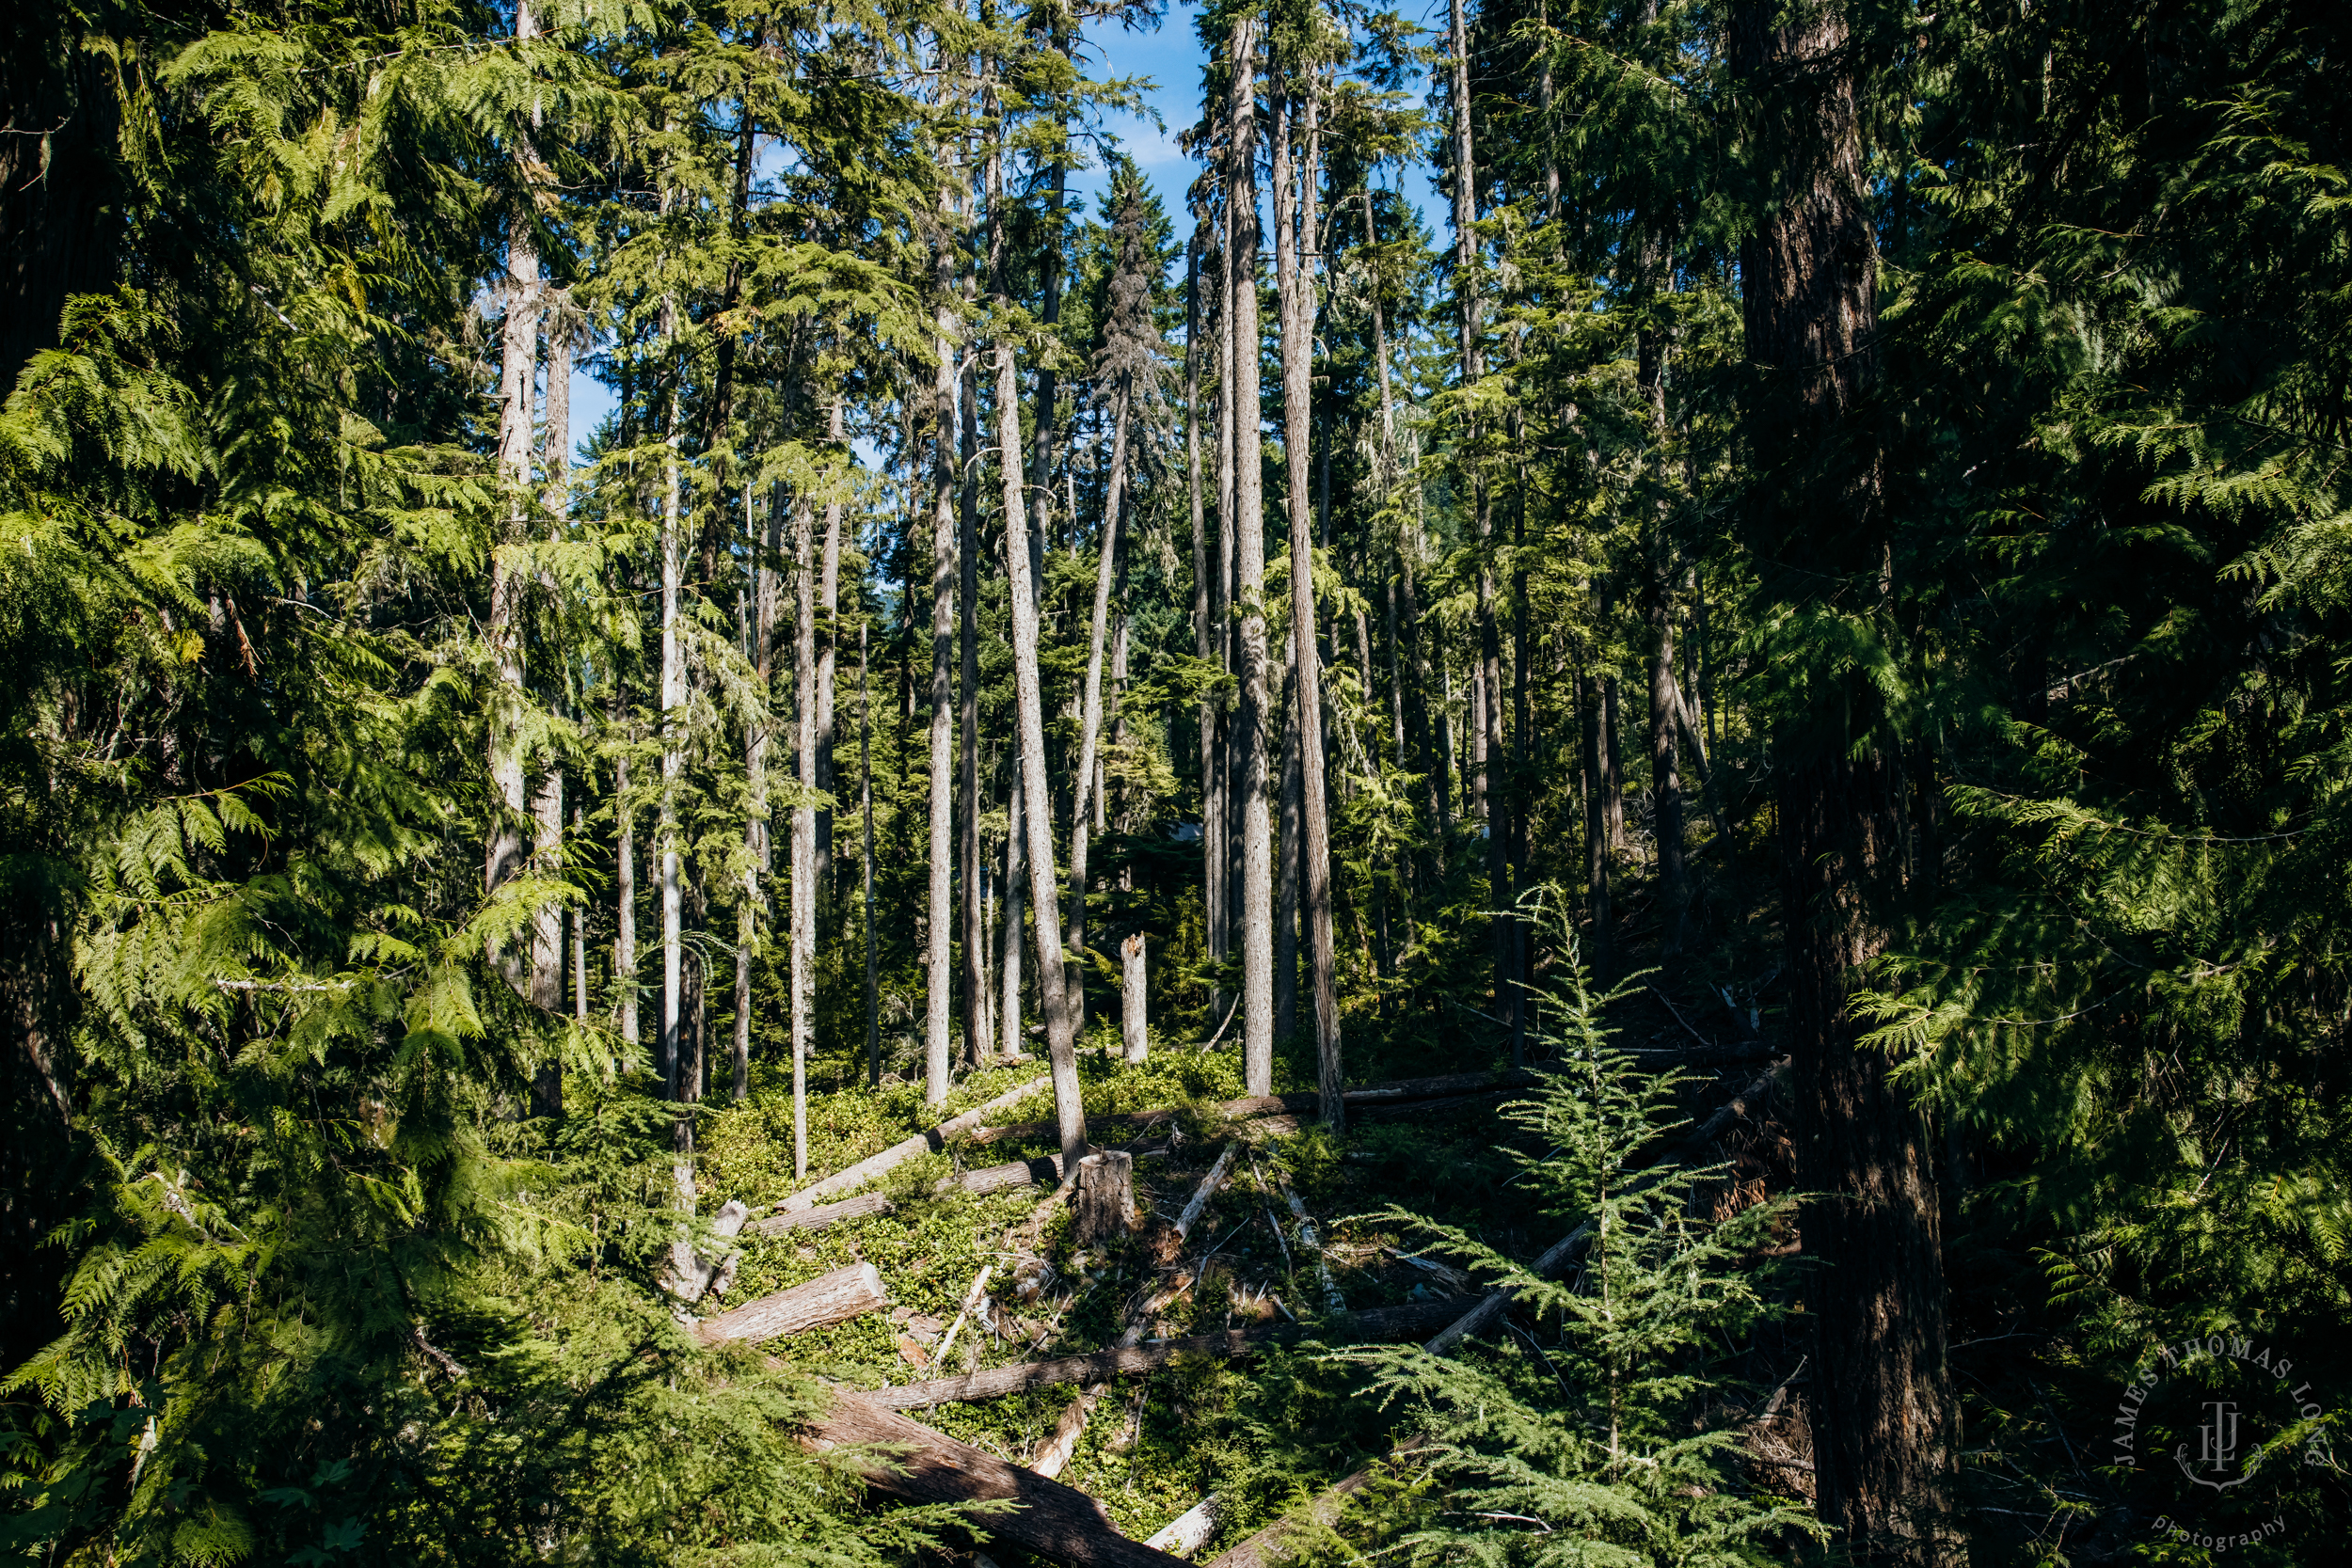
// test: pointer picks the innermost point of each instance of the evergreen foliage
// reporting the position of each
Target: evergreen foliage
(411, 800)
(1597, 1435)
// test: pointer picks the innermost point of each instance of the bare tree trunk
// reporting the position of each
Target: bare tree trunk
(1257, 827)
(1292, 246)
(980, 1039)
(1673, 882)
(1135, 1026)
(1016, 871)
(939, 1020)
(579, 946)
(1215, 642)
(1090, 717)
(1881, 1408)
(1286, 867)
(828, 658)
(625, 901)
(672, 728)
(1474, 766)
(1597, 859)
(517, 379)
(547, 806)
(866, 857)
(764, 544)
(1028, 695)
(804, 963)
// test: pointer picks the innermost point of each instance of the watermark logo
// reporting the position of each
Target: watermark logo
(2221, 1433)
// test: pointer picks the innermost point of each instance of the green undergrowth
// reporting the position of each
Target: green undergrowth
(1259, 1432)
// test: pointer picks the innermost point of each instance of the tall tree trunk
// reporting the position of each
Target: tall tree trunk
(828, 655)
(1433, 743)
(1295, 241)
(1287, 866)
(1673, 881)
(580, 944)
(1050, 278)
(803, 961)
(866, 857)
(1490, 803)
(1202, 647)
(939, 1020)
(1519, 763)
(1016, 874)
(624, 897)
(765, 543)
(518, 380)
(1251, 742)
(1597, 856)
(1612, 735)
(673, 724)
(547, 806)
(979, 1011)
(1037, 789)
(1090, 714)
(1883, 1409)
(1216, 643)
(1029, 699)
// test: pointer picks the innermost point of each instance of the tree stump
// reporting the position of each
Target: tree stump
(1133, 1015)
(1104, 1202)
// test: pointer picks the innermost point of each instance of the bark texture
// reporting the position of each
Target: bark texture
(831, 1298)
(1251, 736)
(1881, 1408)
(1052, 1520)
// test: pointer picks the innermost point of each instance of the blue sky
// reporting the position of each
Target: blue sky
(1172, 57)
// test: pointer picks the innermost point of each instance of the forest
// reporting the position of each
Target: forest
(1551, 782)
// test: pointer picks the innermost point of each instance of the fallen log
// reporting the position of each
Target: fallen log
(929, 1142)
(1072, 1424)
(1044, 1171)
(1052, 1520)
(1379, 1323)
(1200, 1195)
(1260, 1549)
(830, 1298)
(1189, 1530)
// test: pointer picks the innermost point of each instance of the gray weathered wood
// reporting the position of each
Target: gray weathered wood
(1042, 1171)
(1198, 1202)
(829, 1298)
(1189, 1530)
(1380, 1324)
(929, 1142)
(1104, 1205)
(1134, 1011)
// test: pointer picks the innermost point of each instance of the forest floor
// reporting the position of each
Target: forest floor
(1259, 1433)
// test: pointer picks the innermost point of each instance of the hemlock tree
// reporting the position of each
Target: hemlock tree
(1598, 1433)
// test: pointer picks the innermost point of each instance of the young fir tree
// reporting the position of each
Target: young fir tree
(1595, 1432)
